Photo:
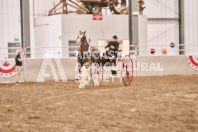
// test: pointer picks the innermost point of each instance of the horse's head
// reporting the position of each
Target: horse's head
(81, 38)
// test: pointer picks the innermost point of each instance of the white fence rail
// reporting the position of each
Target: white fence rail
(70, 51)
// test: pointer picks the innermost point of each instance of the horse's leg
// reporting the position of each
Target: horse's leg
(82, 83)
(95, 76)
(92, 71)
(79, 68)
(79, 64)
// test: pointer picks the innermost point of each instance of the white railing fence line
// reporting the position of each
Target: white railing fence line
(66, 51)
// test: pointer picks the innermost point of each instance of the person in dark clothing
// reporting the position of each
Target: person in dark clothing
(113, 49)
(18, 67)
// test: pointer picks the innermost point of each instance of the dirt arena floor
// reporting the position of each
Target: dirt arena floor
(151, 104)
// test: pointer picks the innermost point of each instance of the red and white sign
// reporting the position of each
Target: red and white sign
(7, 68)
(193, 61)
(97, 17)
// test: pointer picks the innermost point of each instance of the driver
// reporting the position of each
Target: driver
(113, 49)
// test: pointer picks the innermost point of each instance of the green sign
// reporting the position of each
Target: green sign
(16, 39)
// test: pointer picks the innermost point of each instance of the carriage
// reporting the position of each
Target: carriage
(124, 68)
(90, 58)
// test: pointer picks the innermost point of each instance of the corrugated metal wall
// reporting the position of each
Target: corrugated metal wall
(163, 24)
(10, 26)
(40, 7)
(191, 25)
(161, 8)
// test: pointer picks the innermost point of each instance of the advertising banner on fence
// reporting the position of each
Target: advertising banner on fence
(193, 61)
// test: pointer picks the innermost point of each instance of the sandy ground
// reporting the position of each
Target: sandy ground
(151, 104)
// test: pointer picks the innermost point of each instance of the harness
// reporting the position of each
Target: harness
(88, 52)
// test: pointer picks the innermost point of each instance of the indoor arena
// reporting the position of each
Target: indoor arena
(98, 66)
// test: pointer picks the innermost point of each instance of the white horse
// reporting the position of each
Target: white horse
(88, 75)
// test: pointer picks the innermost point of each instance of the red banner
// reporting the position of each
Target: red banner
(97, 17)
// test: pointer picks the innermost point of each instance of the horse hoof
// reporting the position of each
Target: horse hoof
(96, 84)
(80, 86)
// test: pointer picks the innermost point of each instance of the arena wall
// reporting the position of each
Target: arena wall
(57, 31)
(163, 26)
(150, 66)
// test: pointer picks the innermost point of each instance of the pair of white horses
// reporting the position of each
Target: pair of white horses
(88, 75)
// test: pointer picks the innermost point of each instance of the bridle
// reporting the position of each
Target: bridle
(89, 50)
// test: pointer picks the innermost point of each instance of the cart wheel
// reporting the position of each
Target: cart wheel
(118, 6)
(127, 71)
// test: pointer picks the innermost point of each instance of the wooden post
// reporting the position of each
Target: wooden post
(80, 9)
(54, 8)
(66, 8)
(63, 10)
